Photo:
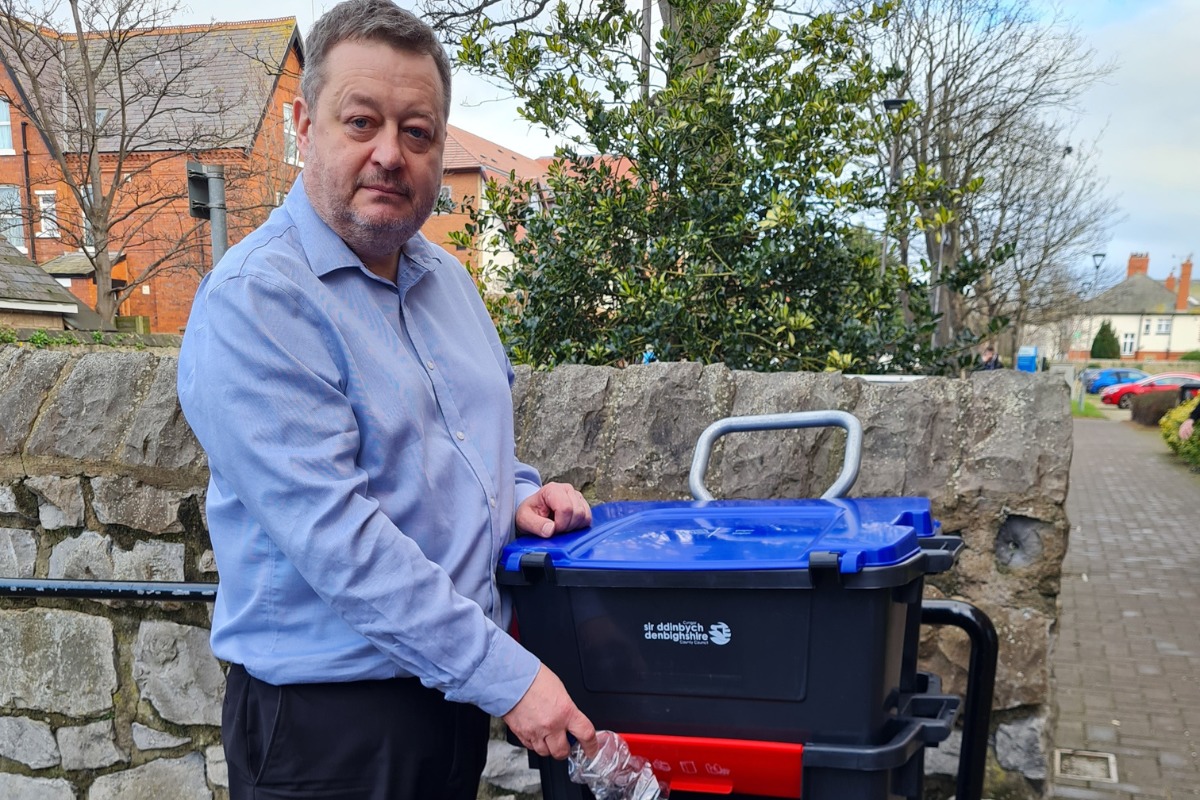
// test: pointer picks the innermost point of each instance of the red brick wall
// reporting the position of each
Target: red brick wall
(464, 187)
(254, 180)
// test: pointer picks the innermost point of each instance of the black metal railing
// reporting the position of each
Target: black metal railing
(157, 591)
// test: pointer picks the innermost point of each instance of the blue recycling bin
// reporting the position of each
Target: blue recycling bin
(770, 622)
(1027, 359)
(747, 649)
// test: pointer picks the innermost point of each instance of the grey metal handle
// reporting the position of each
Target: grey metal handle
(770, 422)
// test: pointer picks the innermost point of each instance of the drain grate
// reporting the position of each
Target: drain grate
(1085, 765)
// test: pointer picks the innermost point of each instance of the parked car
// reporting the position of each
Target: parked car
(1114, 376)
(1122, 394)
(1086, 375)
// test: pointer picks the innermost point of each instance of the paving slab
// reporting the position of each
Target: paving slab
(1126, 665)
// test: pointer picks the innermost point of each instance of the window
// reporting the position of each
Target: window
(6, 142)
(48, 215)
(291, 143)
(1164, 326)
(64, 282)
(445, 202)
(1146, 330)
(1127, 344)
(10, 216)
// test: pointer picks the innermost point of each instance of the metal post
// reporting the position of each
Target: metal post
(216, 205)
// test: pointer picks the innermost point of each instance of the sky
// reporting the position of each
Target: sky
(1147, 114)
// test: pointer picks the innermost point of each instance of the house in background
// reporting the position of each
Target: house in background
(469, 162)
(258, 62)
(29, 297)
(1153, 320)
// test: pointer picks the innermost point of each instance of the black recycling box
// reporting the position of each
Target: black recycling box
(759, 624)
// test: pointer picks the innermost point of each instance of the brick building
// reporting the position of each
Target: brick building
(469, 162)
(248, 70)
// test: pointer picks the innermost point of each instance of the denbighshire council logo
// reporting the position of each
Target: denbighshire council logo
(687, 632)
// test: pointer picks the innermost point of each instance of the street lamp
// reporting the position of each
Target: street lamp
(891, 105)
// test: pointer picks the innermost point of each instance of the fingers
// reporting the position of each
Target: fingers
(568, 510)
(542, 718)
(584, 732)
(554, 508)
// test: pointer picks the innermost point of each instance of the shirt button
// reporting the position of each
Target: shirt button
(492, 500)
(429, 364)
(461, 435)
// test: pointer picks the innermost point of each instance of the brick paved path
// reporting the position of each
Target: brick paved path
(1127, 663)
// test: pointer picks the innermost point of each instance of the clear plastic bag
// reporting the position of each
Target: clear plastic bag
(614, 773)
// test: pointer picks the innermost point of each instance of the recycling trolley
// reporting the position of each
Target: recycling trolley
(756, 649)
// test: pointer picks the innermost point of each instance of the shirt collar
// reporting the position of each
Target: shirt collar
(327, 252)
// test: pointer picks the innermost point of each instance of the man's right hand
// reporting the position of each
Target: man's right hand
(546, 714)
(1185, 430)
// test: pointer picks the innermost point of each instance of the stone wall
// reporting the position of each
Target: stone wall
(100, 478)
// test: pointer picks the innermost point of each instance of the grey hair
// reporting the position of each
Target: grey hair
(370, 21)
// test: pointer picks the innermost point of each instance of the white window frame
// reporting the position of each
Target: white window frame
(1128, 341)
(1146, 328)
(1163, 327)
(6, 122)
(16, 214)
(444, 199)
(291, 139)
(47, 204)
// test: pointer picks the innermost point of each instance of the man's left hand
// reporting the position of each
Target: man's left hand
(554, 508)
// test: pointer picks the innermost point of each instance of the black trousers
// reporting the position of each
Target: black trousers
(367, 740)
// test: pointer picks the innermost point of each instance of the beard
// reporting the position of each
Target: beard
(365, 234)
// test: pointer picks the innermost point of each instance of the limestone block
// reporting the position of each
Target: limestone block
(88, 556)
(218, 770)
(565, 445)
(944, 759)
(128, 502)
(176, 778)
(1017, 437)
(56, 661)
(60, 501)
(18, 787)
(175, 670)
(26, 377)
(8, 500)
(149, 561)
(656, 412)
(28, 741)
(1022, 674)
(522, 375)
(1020, 747)
(206, 563)
(87, 416)
(89, 746)
(147, 738)
(18, 553)
(508, 768)
(781, 463)
(912, 438)
(159, 435)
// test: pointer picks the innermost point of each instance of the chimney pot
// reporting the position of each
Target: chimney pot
(1139, 264)
(1185, 285)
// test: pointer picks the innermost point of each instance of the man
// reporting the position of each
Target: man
(1185, 430)
(354, 402)
(990, 360)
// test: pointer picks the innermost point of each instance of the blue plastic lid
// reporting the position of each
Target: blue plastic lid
(737, 535)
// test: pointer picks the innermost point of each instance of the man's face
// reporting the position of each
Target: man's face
(372, 147)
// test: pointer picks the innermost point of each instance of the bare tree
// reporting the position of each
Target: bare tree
(1046, 198)
(116, 93)
(979, 73)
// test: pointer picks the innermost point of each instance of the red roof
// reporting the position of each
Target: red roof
(468, 152)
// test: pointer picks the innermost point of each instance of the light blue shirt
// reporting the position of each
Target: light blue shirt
(363, 471)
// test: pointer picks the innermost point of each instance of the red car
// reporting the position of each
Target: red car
(1122, 394)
